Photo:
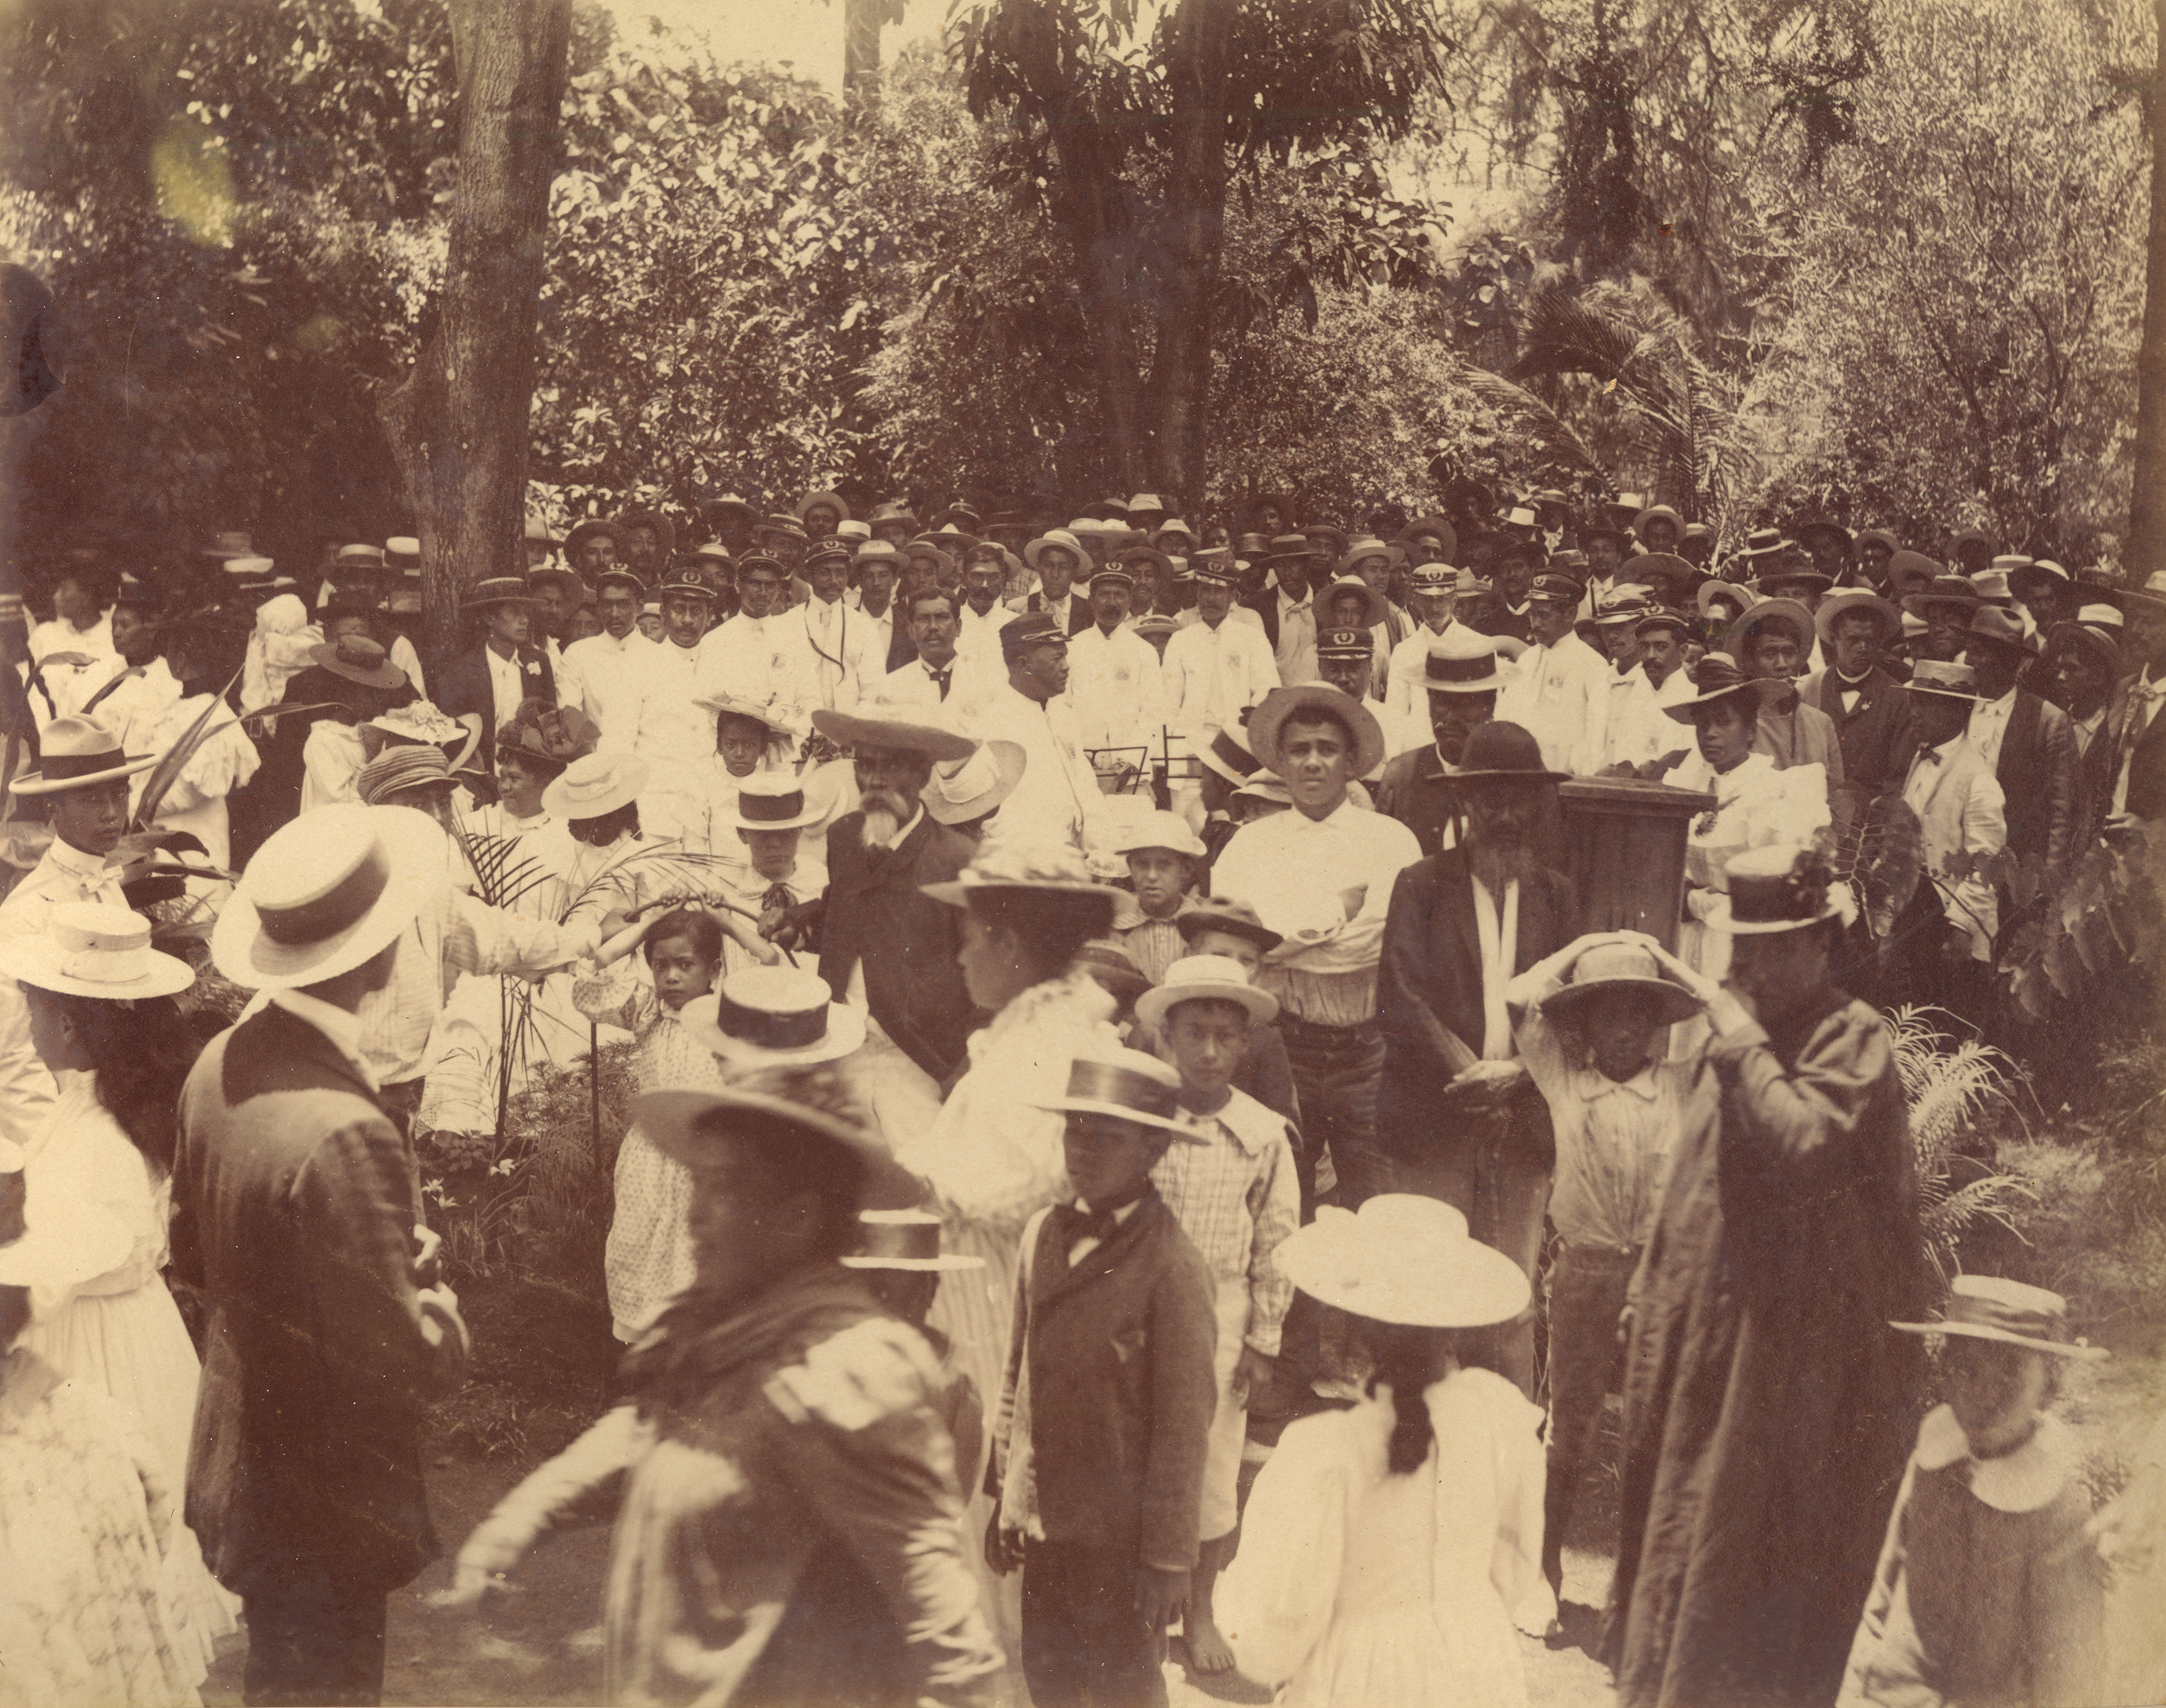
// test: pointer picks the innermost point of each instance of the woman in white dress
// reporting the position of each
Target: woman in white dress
(224, 759)
(1384, 1544)
(97, 1186)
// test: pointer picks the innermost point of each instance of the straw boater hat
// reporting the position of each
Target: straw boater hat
(1405, 1259)
(774, 1017)
(1127, 1084)
(907, 1240)
(567, 581)
(326, 892)
(1716, 677)
(1197, 977)
(1051, 870)
(1954, 682)
(1502, 752)
(1845, 601)
(91, 948)
(1220, 913)
(397, 770)
(359, 658)
(361, 555)
(969, 777)
(1784, 888)
(497, 590)
(1987, 1308)
(685, 1124)
(774, 800)
(1626, 968)
(1271, 712)
(78, 752)
(596, 785)
(1161, 829)
(1228, 754)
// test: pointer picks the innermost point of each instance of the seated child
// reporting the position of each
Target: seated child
(1097, 1461)
(1588, 1022)
(1164, 859)
(648, 1258)
(900, 1257)
(1989, 1590)
(768, 816)
(1237, 1196)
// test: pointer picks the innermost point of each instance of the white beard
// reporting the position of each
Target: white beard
(881, 826)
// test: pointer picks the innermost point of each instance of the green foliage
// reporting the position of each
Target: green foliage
(1947, 1086)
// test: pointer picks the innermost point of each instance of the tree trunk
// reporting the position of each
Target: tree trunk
(1105, 238)
(2143, 553)
(861, 48)
(458, 425)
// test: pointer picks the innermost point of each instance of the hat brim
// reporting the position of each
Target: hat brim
(1010, 761)
(1945, 693)
(1152, 1005)
(491, 600)
(723, 706)
(1718, 919)
(848, 729)
(1921, 604)
(1672, 1002)
(413, 848)
(1849, 600)
(386, 676)
(1974, 637)
(36, 960)
(2007, 1337)
(1759, 687)
(1119, 1112)
(947, 1263)
(1478, 1287)
(1491, 683)
(1195, 923)
(670, 1119)
(958, 893)
(557, 799)
(36, 782)
(1280, 703)
(845, 1035)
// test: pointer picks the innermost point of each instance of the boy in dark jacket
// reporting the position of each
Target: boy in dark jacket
(1098, 1453)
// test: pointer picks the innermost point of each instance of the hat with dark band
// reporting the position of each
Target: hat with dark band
(1124, 1083)
(1460, 661)
(1345, 643)
(1555, 590)
(686, 1125)
(397, 770)
(1987, 1308)
(1107, 960)
(79, 752)
(1227, 752)
(774, 1017)
(1502, 752)
(1660, 618)
(326, 892)
(1947, 593)
(1716, 677)
(497, 590)
(1954, 682)
(359, 658)
(1770, 613)
(1784, 888)
(1216, 565)
(1221, 913)
(773, 800)
(1036, 629)
(689, 581)
(904, 1240)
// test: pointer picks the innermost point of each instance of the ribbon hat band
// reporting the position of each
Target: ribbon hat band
(320, 918)
(755, 807)
(1108, 1082)
(103, 957)
(771, 1029)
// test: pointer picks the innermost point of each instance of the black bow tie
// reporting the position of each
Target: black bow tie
(940, 678)
(778, 896)
(1077, 1223)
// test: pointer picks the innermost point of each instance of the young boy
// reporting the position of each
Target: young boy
(1218, 925)
(769, 816)
(900, 1257)
(1587, 1021)
(1098, 1455)
(1237, 1196)
(1163, 858)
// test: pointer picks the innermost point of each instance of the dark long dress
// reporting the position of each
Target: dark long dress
(1768, 1407)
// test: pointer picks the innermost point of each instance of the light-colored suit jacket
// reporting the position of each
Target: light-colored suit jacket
(1961, 810)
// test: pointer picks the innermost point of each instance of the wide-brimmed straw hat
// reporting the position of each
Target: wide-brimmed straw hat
(91, 948)
(1627, 968)
(1955, 682)
(1228, 754)
(1220, 913)
(1197, 978)
(1502, 752)
(1716, 677)
(1056, 536)
(1715, 591)
(774, 800)
(583, 531)
(1657, 513)
(1161, 829)
(1461, 661)
(78, 752)
(1050, 869)
(359, 658)
(1988, 1308)
(325, 893)
(905, 1240)
(828, 496)
(685, 1124)
(596, 785)
(1124, 1083)
(1847, 600)
(1758, 616)
(774, 1017)
(1373, 603)
(1446, 534)
(396, 770)
(1784, 888)
(1280, 703)
(913, 727)
(1407, 1259)
(497, 590)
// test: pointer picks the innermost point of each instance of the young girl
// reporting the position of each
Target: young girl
(648, 1259)
(1988, 1589)
(1384, 1545)
(103, 1019)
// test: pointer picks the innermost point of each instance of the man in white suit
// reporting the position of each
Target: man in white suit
(1946, 931)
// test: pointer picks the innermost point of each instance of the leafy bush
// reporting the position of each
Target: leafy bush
(1947, 1086)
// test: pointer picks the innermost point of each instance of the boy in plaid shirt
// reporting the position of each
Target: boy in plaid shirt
(1235, 1192)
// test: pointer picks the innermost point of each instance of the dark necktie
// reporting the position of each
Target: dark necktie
(778, 896)
(940, 678)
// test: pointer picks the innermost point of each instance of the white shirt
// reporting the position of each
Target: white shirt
(2086, 729)
(979, 638)
(64, 873)
(970, 684)
(838, 638)
(671, 731)
(139, 697)
(1496, 937)
(1406, 674)
(1057, 801)
(1116, 693)
(768, 661)
(1989, 727)
(1212, 676)
(1640, 731)
(507, 685)
(1296, 652)
(71, 684)
(1561, 695)
(607, 678)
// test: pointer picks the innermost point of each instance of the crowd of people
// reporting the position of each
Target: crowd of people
(1110, 1008)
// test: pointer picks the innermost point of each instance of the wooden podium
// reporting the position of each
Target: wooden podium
(1625, 852)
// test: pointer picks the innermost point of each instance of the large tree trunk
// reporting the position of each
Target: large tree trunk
(2143, 554)
(1105, 238)
(1194, 238)
(459, 423)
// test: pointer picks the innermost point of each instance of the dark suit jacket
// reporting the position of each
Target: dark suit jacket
(1122, 1391)
(2147, 759)
(1878, 739)
(875, 912)
(2038, 772)
(462, 685)
(294, 1213)
(1413, 791)
(1429, 980)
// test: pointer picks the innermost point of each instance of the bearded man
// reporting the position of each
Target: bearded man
(1457, 1115)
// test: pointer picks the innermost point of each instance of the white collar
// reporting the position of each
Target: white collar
(901, 835)
(954, 659)
(1999, 708)
(336, 1023)
(72, 859)
(1327, 821)
(1287, 604)
(2022, 1481)
(1120, 1216)
(1644, 1084)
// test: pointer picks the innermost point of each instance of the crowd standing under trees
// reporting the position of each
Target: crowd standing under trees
(1220, 820)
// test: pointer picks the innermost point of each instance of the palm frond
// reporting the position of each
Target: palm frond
(1529, 418)
(167, 772)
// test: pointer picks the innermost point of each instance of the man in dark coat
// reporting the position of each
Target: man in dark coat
(295, 1220)
(883, 943)
(1456, 1112)
(1866, 705)
(1768, 1406)
(485, 687)
(2029, 743)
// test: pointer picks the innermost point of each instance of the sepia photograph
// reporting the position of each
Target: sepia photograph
(1083, 853)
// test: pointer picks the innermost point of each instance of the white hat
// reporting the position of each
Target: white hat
(1216, 977)
(97, 949)
(595, 786)
(77, 752)
(325, 893)
(774, 800)
(908, 1240)
(774, 1017)
(1127, 1084)
(1405, 1259)
(1162, 829)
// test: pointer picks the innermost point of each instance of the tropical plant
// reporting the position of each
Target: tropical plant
(1946, 1086)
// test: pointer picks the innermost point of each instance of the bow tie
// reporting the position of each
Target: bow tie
(1077, 1223)
(778, 896)
(1930, 756)
(940, 678)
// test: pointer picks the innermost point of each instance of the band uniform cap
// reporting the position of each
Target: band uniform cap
(686, 1124)
(619, 575)
(97, 949)
(80, 751)
(1662, 617)
(1205, 977)
(396, 770)
(1345, 643)
(1626, 968)
(1053, 869)
(1502, 752)
(1276, 707)
(774, 800)
(688, 580)
(914, 728)
(774, 1017)
(1032, 629)
(595, 786)
(1462, 661)
(1997, 628)
(1060, 537)
(359, 658)
(325, 893)
(1162, 829)
(1989, 1307)
(1716, 677)
(1556, 589)
(1950, 680)
(1783, 888)
(834, 547)
(904, 1240)
(1435, 579)
(1216, 564)
(1127, 1084)
(1227, 914)
(1404, 1258)
(1847, 601)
